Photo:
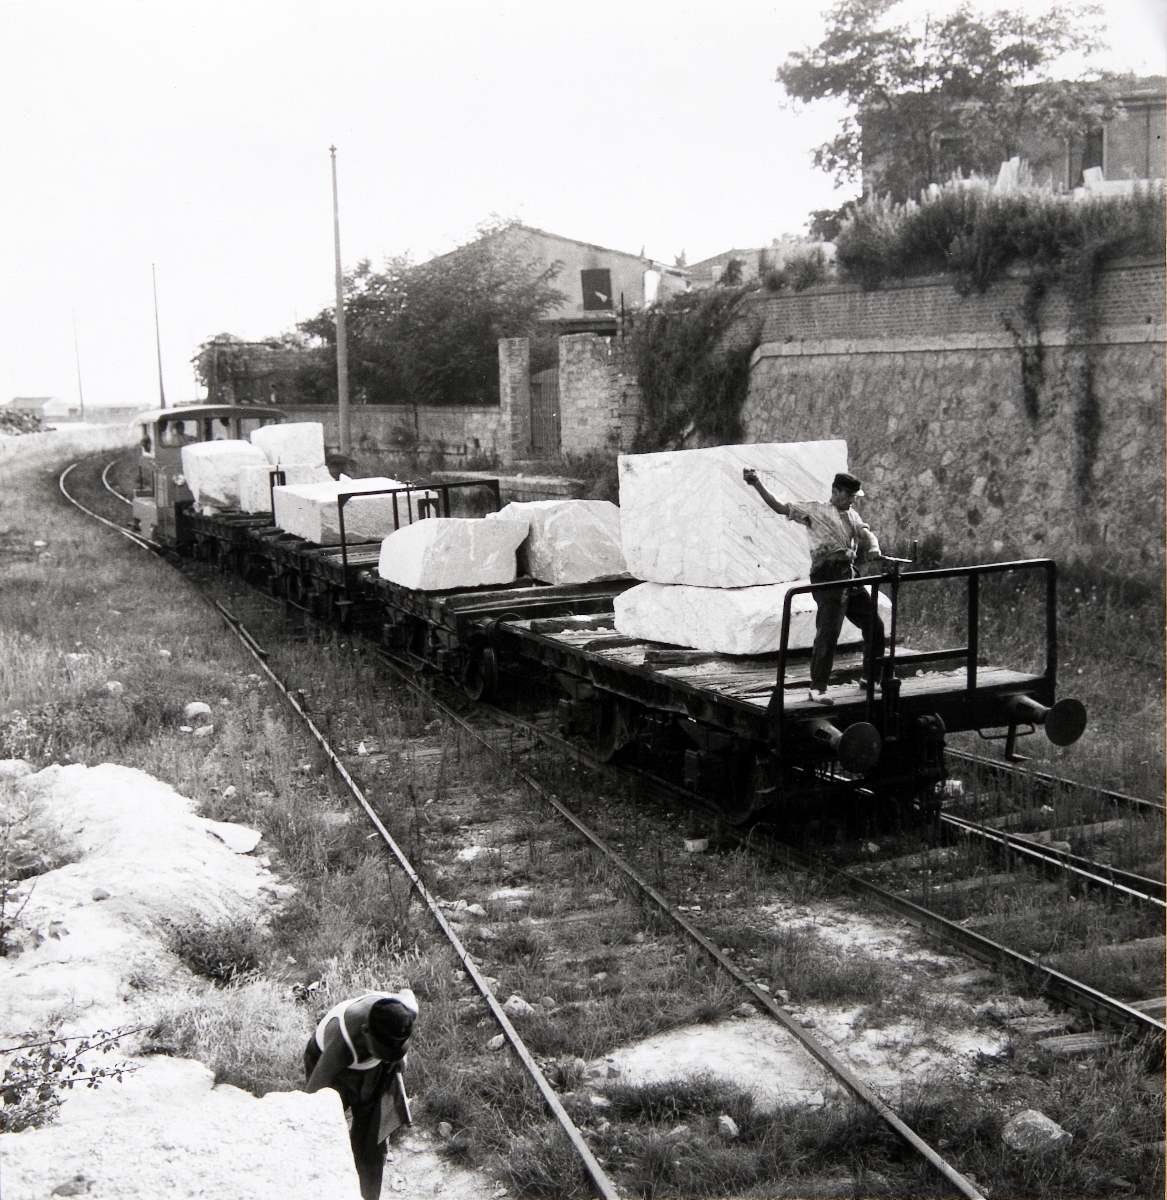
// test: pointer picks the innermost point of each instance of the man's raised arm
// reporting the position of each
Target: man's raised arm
(783, 510)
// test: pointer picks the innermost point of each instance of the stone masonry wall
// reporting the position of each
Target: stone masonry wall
(598, 394)
(458, 432)
(953, 446)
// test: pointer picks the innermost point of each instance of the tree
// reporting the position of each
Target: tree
(959, 93)
(429, 333)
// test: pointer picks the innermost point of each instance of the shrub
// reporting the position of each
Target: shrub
(977, 233)
(692, 384)
(222, 951)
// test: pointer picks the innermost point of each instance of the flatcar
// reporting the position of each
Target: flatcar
(739, 731)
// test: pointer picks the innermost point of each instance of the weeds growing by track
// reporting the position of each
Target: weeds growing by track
(611, 976)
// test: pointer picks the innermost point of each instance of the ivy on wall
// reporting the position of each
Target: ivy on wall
(977, 234)
(693, 380)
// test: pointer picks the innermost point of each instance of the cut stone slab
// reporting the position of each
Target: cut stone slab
(688, 517)
(744, 620)
(212, 470)
(255, 482)
(451, 552)
(571, 541)
(298, 442)
(309, 510)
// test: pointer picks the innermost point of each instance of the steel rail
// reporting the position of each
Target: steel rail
(109, 486)
(820, 1053)
(1069, 991)
(1138, 887)
(1011, 772)
(144, 542)
(603, 1184)
(1064, 988)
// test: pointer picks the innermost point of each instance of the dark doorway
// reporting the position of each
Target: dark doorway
(545, 413)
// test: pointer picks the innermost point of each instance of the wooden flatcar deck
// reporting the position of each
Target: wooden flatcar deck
(749, 682)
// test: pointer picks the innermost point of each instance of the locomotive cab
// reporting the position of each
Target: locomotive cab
(163, 432)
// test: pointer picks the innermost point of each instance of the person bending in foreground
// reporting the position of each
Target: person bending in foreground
(358, 1049)
(839, 537)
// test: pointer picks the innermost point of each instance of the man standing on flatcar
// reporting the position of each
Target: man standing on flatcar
(839, 539)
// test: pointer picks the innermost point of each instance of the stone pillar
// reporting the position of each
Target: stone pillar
(588, 404)
(514, 393)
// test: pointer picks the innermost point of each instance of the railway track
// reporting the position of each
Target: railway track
(1106, 1010)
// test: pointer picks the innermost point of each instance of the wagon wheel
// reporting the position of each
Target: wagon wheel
(749, 788)
(480, 677)
(612, 733)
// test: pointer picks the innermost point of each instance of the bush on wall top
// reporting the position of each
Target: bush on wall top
(969, 229)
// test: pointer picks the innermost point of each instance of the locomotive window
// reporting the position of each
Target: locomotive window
(147, 442)
(220, 429)
(248, 425)
(178, 433)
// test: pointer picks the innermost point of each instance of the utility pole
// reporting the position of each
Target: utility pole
(158, 341)
(77, 359)
(341, 338)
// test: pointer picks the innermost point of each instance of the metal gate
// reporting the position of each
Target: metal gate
(545, 412)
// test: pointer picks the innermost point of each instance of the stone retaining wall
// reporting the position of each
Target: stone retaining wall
(962, 448)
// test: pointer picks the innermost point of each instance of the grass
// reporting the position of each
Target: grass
(612, 977)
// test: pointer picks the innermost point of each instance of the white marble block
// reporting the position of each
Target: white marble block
(212, 470)
(255, 482)
(744, 620)
(687, 516)
(571, 541)
(299, 442)
(451, 552)
(309, 510)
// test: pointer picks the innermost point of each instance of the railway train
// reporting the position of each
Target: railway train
(741, 732)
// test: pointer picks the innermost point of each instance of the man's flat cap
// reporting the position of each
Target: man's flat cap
(848, 483)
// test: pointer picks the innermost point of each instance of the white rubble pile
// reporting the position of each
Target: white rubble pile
(687, 517)
(451, 552)
(212, 470)
(298, 442)
(167, 1130)
(309, 510)
(150, 858)
(725, 620)
(571, 541)
(255, 482)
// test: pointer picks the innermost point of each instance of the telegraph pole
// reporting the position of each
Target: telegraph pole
(158, 341)
(341, 338)
(77, 359)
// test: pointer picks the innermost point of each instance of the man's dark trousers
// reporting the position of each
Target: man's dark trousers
(835, 606)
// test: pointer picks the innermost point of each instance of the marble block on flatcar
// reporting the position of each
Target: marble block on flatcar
(298, 442)
(309, 510)
(744, 620)
(571, 541)
(687, 516)
(255, 482)
(451, 552)
(212, 470)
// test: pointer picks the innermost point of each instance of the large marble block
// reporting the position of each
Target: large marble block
(571, 541)
(687, 517)
(255, 482)
(309, 510)
(451, 552)
(744, 620)
(212, 470)
(299, 442)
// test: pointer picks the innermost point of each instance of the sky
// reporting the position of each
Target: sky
(189, 142)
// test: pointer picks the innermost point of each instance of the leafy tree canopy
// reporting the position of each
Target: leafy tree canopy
(428, 333)
(950, 94)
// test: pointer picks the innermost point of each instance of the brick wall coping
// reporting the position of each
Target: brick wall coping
(943, 280)
(1118, 335)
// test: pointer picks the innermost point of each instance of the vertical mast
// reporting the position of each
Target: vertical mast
(158, 341)
(77, 359)
(341, 338)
